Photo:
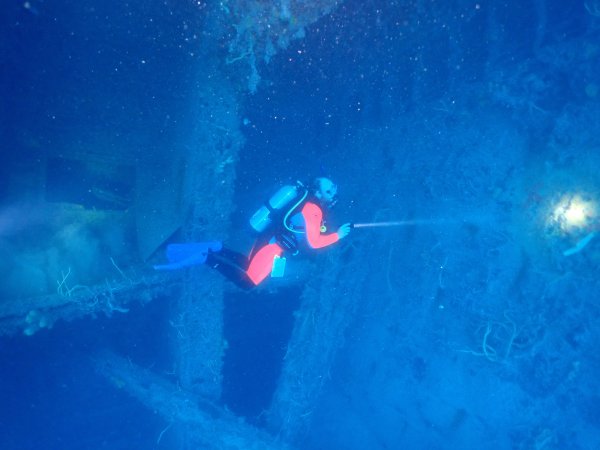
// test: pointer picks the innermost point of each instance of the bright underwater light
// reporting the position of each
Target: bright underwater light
(573, 213)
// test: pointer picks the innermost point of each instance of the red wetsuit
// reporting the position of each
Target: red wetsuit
(262, 261)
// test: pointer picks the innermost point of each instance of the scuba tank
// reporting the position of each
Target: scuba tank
(276, 205)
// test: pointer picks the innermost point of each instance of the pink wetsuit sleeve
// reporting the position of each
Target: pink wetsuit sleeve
(313, 216)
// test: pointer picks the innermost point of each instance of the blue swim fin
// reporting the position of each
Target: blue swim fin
(188, 254)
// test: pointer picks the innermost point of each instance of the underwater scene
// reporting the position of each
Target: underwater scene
(300, 224)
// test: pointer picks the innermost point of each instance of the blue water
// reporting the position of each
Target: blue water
(477, 332)
(51, 391)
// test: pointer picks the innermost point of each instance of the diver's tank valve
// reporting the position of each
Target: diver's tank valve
(262, 218)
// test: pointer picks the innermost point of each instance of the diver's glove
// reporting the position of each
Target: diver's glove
(344, 230)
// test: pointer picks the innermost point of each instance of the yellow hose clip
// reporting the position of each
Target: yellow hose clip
(323, 229)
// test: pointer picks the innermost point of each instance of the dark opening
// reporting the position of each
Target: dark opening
(257, 329)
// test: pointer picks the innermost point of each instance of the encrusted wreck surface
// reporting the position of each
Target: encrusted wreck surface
(205, 424)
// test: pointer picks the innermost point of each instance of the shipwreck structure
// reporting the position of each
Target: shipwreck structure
(366, 324)
(145, 198)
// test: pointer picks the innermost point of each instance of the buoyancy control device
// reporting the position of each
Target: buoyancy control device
(279, 206)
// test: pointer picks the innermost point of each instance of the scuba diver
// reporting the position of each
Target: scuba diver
(290, 221)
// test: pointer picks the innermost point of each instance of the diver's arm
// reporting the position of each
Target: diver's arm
(313, 216)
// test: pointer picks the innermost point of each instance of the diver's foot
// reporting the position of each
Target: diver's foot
(214, 246)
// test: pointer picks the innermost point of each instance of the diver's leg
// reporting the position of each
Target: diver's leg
(231, 264)
(261, 263)
(234, 257)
